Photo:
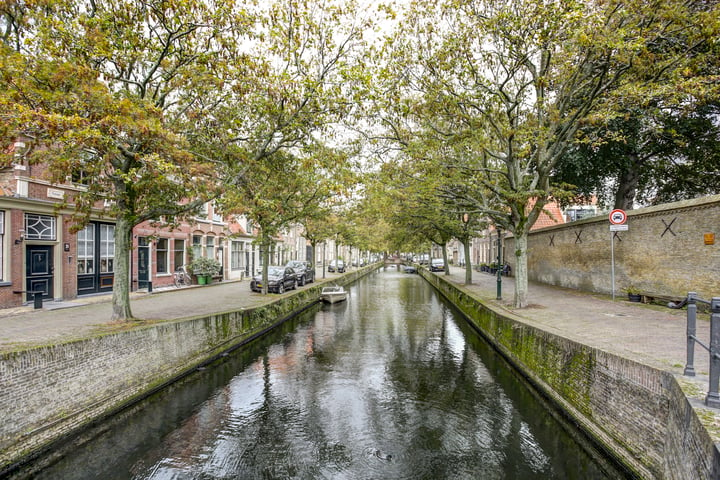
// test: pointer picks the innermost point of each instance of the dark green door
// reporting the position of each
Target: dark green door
(39, 270)
(143, 262)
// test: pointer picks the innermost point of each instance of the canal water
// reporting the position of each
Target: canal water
(391, 384)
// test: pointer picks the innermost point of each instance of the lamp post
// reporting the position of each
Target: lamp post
(499, 266)
(466, 249)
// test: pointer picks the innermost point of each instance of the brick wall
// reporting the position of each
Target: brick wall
(662, 253)
(638, 413)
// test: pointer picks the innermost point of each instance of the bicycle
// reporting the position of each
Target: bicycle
(181, 277)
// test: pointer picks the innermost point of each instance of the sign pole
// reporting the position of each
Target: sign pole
(618, 218)
(612, 264)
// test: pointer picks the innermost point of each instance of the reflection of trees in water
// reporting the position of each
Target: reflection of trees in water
(392, 371)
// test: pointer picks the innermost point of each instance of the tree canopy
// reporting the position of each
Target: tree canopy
(476, 107)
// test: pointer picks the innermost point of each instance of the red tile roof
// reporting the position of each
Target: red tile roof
(550, 216)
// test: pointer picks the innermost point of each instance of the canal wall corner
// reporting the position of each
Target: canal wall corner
(51, 393)
(639, 415)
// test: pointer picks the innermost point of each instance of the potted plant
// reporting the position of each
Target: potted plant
(205, 268)
(633, 293)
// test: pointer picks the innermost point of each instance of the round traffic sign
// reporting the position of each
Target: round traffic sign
(618, 217)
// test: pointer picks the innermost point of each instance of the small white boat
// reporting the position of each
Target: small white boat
(333, 294)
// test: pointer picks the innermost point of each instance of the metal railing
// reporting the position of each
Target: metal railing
(713, 396)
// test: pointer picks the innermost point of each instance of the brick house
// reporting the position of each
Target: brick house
(38, 251)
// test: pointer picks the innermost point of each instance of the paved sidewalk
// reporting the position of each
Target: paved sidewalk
(654, 335)
(64, 321)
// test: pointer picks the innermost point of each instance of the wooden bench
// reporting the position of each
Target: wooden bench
(659, 299)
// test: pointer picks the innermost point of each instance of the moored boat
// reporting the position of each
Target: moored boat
(333, 294)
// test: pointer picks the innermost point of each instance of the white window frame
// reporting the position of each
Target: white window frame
(162, 255)
(40, 227)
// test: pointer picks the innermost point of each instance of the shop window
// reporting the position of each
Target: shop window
(107, 248)
(86, 250)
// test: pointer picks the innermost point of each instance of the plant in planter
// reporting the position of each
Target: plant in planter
(205, 268)
(633, 293)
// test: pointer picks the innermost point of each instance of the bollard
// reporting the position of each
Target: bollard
(38, 299)
(713, 397)
(691, 331)
(149, 287)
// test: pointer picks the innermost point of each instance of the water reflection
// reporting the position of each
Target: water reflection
(391, 372)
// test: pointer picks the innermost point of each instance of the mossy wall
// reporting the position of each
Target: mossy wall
(636, 413)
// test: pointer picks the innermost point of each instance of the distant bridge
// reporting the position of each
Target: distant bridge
(394, 261)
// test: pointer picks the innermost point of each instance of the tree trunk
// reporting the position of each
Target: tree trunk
(468, 263)
(445, 259)
(266, 261)
(521, 276)
(627, 185)
(121, 284)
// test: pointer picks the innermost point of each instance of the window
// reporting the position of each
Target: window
(2, 245)
(236, 255)
(204, 211)
(210, 247)
(197, 246)
(107, 248)
(178, 253)
(162, 255)
(86, 250)
(39, 227)
(216, 217)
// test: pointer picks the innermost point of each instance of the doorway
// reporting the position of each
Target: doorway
(39, 270)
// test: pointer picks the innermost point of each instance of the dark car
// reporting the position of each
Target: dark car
(340, 266)
(304, 271)
(279, 280)
(437, 265)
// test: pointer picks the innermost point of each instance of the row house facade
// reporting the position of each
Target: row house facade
(40, 253)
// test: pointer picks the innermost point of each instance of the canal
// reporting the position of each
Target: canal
(391, 384)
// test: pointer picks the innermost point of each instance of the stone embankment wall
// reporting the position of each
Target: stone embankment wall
(637, 413)
(663, 252)
(54, 391)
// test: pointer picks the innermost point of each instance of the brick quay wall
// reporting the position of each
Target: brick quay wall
(51, 393)
(663, 253)
(638, 414)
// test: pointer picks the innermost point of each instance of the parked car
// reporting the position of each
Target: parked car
(279, 279)
(304, 271)
(340, 266)
(437, 265)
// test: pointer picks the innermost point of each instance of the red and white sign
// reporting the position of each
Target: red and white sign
(618, 217)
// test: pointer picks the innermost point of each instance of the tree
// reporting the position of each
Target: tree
(104, 88)
(274, 124)
(509, 84)
(647, 156)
